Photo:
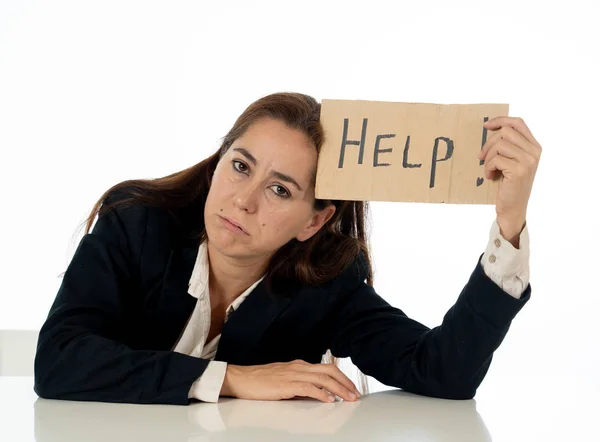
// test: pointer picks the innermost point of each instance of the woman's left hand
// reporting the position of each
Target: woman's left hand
(515, 153)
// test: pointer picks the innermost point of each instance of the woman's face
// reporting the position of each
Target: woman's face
(263, 184)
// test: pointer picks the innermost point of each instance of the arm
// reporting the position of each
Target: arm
(509, 269)
(207, 387)
(505, 264)
(78, 355)
(448, 361)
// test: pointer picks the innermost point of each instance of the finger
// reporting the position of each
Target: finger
(333, 371)
(514, 122)
(508, 150)
(308, 389)
(507, 166)
(339, 376)
(508, 133)
(323, 380)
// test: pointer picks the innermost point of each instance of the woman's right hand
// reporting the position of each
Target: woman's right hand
(285, 380)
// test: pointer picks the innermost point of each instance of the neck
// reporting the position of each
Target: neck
(230, 277)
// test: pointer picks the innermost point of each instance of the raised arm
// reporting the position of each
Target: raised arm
(448, 361)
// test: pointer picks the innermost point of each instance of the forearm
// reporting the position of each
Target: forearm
(452, 359)
(75, 365)
(465, 339)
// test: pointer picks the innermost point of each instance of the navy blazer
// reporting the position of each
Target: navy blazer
(123, 304)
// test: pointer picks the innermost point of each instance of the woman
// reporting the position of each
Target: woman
(230, 279)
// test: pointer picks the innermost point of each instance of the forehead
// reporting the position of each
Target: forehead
(277, 146)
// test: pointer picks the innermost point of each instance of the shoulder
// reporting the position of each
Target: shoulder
(127, 222)
(351, 278)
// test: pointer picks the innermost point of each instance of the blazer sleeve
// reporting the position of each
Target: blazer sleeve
(79, 356)
(448, 361)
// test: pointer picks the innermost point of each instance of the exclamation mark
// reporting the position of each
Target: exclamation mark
(483, 140)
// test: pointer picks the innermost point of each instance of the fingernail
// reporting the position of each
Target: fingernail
(357, 393)
(331, 398)
(352, 395)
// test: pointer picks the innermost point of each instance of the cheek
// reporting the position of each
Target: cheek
(220, 187)
(277, 222)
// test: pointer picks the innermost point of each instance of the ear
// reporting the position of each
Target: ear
(317, 221)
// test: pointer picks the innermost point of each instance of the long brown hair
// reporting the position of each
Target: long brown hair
(314, 261)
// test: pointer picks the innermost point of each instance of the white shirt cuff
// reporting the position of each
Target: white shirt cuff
(208, 386)
(506, 265)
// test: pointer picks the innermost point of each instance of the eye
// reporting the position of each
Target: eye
(241, 167)
(285, 193)
(244, 167)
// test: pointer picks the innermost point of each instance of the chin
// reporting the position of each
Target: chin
(224, 240)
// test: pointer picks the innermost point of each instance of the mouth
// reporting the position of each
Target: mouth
(233, 224)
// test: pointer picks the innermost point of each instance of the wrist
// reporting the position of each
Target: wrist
(511, 230)
(226, 388)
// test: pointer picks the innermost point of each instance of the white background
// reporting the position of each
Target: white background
(94, 93)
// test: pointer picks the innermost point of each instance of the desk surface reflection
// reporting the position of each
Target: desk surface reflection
(388, 415)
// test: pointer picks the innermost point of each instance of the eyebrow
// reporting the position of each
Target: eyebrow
(281, 176)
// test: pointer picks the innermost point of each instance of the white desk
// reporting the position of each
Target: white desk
(539, 411)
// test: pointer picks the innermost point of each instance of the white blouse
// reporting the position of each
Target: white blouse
(502, 262)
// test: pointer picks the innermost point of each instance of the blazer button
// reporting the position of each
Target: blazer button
(492, 259)
(497, 242)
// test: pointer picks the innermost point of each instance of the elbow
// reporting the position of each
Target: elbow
(50, 380)
(461, 393)
(460, 384)
(42, 384)
(448, 388)
(453, 392)
(43, 390)
(457, 388)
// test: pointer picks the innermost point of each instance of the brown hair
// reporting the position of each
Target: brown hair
(314, 261)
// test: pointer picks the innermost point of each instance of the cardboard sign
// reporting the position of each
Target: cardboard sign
(413, 152)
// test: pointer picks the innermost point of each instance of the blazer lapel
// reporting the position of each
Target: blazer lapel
(246, 325)
(175, 304)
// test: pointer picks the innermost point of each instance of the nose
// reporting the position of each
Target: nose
(247, 197)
